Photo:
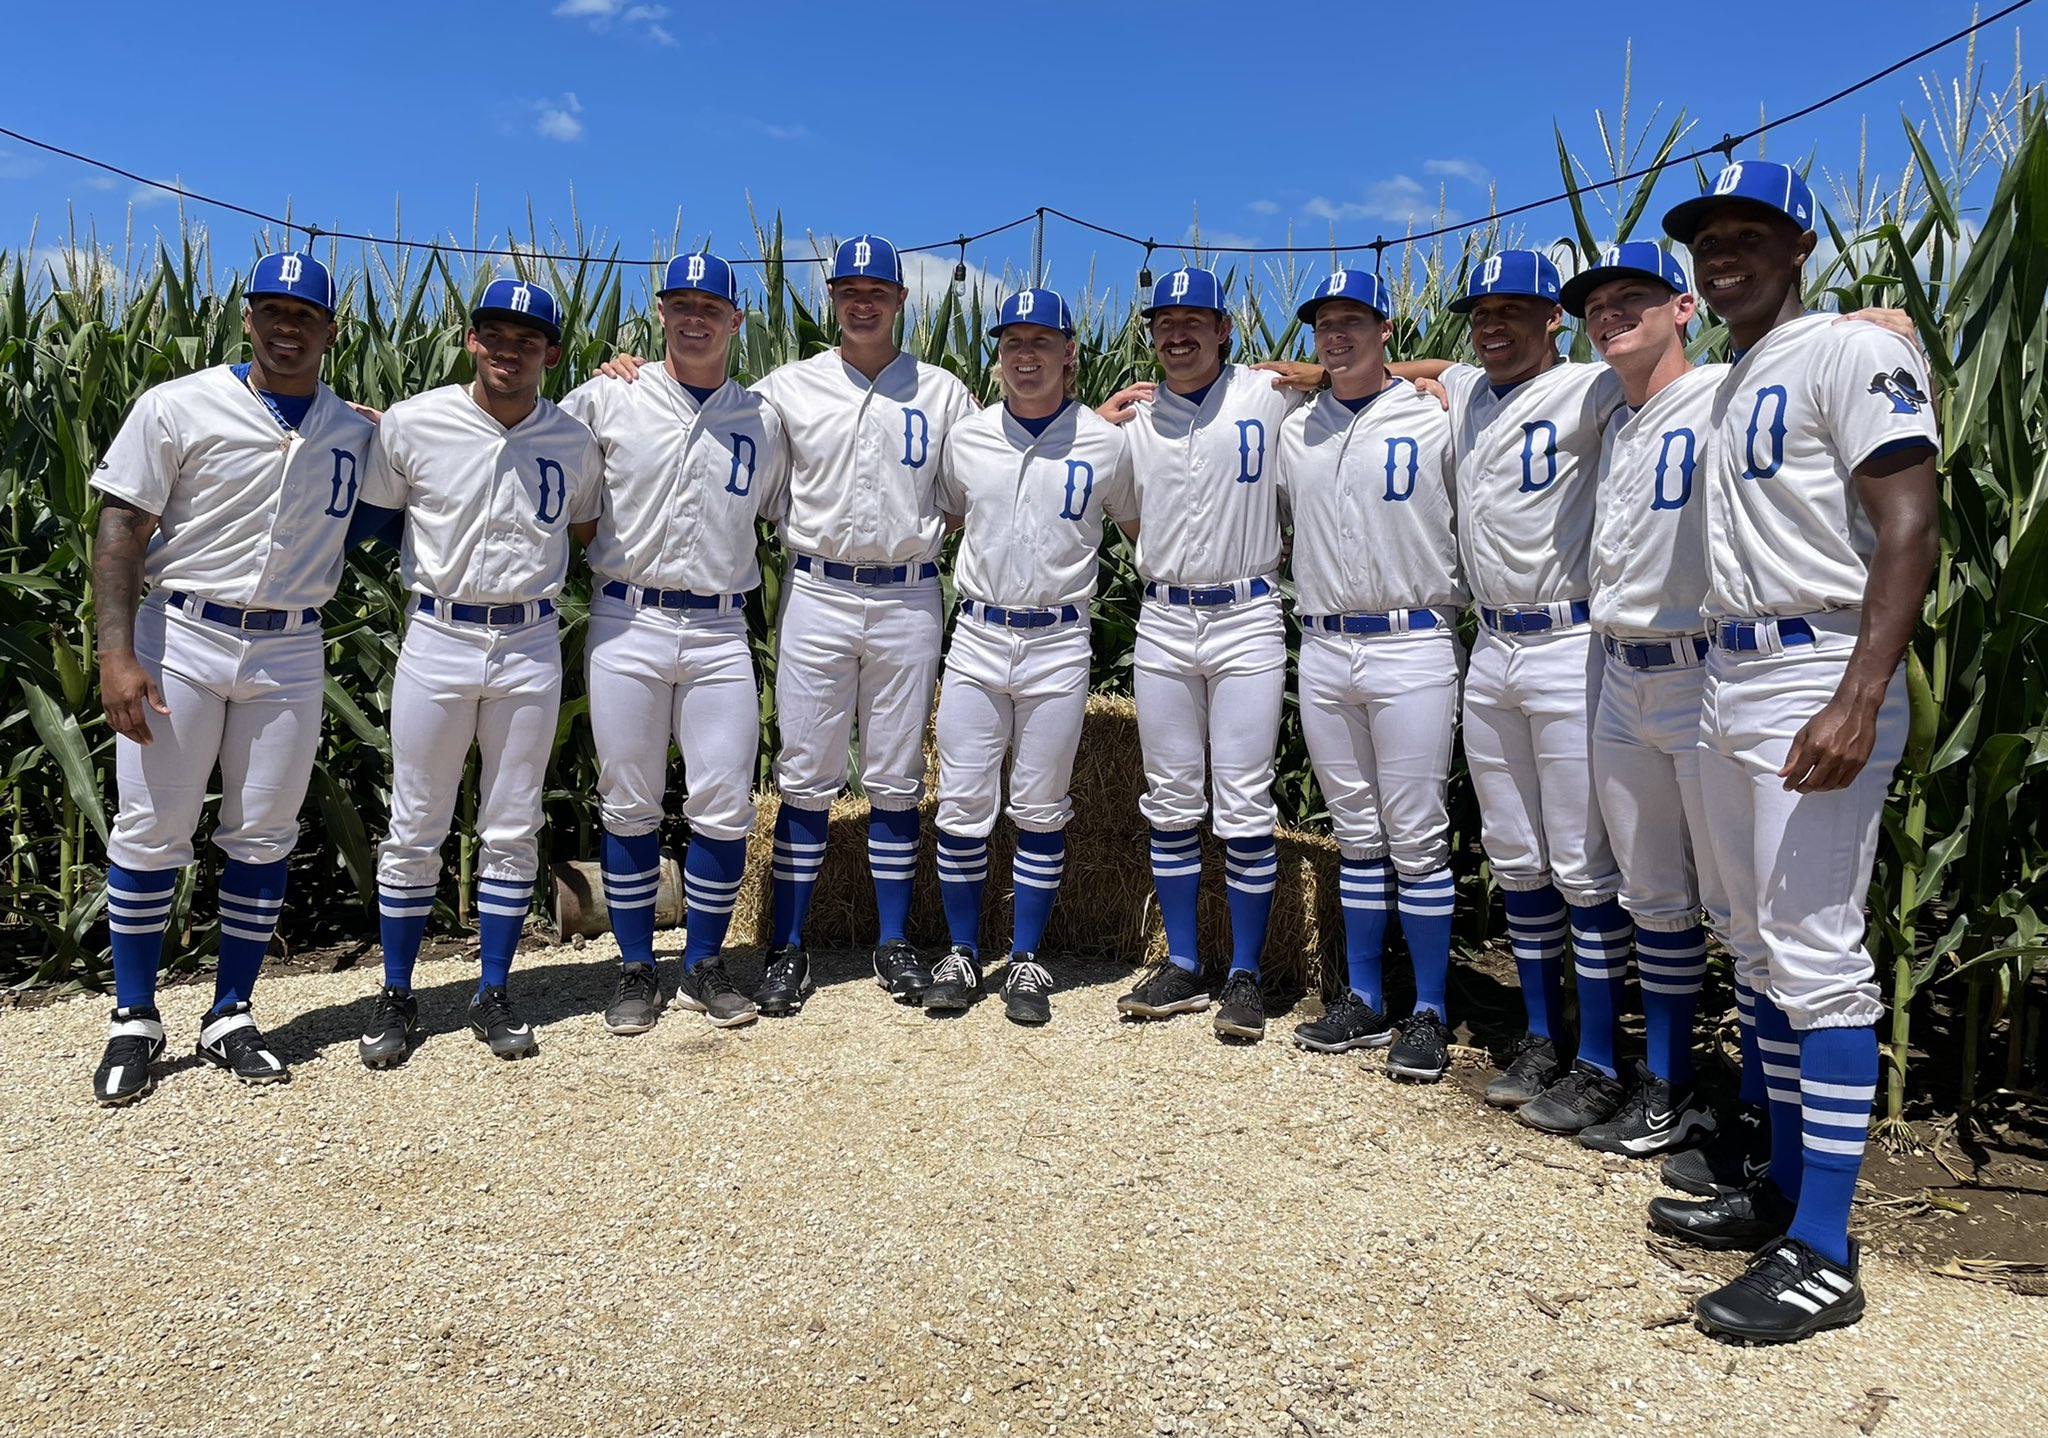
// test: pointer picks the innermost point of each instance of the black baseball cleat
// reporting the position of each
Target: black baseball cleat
(899, 970)
(1423, 1052)
(636, 1002)
(1787, 1293)
(785, 982)
(1737, 1155)
(1743, 1218)
(955, 981)
(1583, 1097)
(1534, 1068)
(231, 1040)
(393, 1030)
(135, 1040)
(1167, 990)
(1027, 991)
(1658, 1117)
(1240, 1008)
(709, 990)
(495, 1022)
(1348, 1022)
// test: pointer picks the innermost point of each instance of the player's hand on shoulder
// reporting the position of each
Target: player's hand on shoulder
(1121, 407)
(1830, 750)
(1294, 374)
(625, 367)
(129, 694)
(1434, 389)
(374, 416)
(1897, 321)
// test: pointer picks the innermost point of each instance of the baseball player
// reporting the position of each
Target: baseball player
(1365, 477)
(1209, 670)
(493, 479)
(1031, 480)
(1526, 434)
(1821, 535)
(230, 491)
(691, 459)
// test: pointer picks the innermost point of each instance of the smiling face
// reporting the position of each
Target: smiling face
(1351, 343)
(1637, 320)
(867, 309)
(1189, 343)
(1513, 336)
(289, 338)
(1745, 260)
(1034, 360)
(699, 327)
(510, 358)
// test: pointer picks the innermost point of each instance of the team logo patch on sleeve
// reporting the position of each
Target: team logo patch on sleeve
(1901, 389)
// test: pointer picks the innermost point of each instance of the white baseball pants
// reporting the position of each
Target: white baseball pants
(1378, 712)
(1796, 866)
(247, 701)
(1209, 684)
(1529, 702)
(848, 653)
(457, 684)
(682, 674)
(1019, 693)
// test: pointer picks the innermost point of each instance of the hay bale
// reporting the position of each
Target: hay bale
(1105, 908)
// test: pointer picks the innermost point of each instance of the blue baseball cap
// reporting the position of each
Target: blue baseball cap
(300, 276)
(521, 301)
(1511, 272)
(1187, 289)
(1761, 182)
(1632, 257)
(1361, 285)
(704, 271)
(1034, 307)
(867, 256)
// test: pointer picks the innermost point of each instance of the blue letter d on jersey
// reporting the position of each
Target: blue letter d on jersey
(917, 438)
(554, 491)
(1080, 484)
(1531, 484)
(1251, 462)
(742, 453)
(342, 502)
(1398, 486)
(1681, 439)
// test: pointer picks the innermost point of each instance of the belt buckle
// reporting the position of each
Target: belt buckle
(873, 573)
(671, 598)
(258, 619)
(1211, 594)
(1527, 621)
(498, 615)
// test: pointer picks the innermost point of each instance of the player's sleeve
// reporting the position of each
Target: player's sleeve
(587, 504)
(142, 463)
(1873, 394)
(947, 491)
(384, 482)
(1605, 398)
(1120, 495)
(582, 403)
(1459, 381)
(774, 475)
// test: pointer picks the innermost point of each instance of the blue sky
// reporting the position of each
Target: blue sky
(917, 121)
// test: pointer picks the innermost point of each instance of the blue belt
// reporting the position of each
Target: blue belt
(674, 598)
(1020, 618)
(1205, 594)
(1742, 635)
(264, 619)
(1529, 620)
(1656, 653)
(1368, 623)
(867, 573)
(484, 613)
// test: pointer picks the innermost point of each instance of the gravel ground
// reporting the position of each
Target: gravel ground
(864, 1221)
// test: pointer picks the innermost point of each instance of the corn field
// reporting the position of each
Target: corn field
(1957, 902)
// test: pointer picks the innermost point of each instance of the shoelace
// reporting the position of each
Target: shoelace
(782, 969)
(637, 982)
(494, 1008)
(1427, 1030)
(955, 969)
(1778, 1267)
(1028, 977)
(713, 979)
(390, 1009)
(1241, 988)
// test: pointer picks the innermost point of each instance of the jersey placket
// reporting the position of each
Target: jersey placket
(682, 524)
(281, 545)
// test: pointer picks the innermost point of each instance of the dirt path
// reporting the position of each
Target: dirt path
(862, 1221)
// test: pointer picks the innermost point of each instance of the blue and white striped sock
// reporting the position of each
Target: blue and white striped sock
(1671, 964)
(631, 865)
(1537, 924)
(799, 859)
(963, 874)
(1177, 879)
(1837, 1089)
(1365, 890)
(1426, 904)
(1778, 1058)
(251, 898)
(1251, 870)
(892, 861)
(1035, 876)
(402, 914)
(1602, 937)
(712, 872)
(501, 906)
(138, 909)
(1751, 1079)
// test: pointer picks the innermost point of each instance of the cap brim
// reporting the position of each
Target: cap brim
(1580, 287)
(698, 289)
(1151, 310)
(248, 295)
(517, 317)
(1307, 312)
(1683, 221)
(1463, 303)
(1013, 324)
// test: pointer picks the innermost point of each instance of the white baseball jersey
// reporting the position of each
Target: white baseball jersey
(487, 508)
(1525, 477)
(1033, 504)
(248, 513)
(1208, 505)
(1793, 418)
(683, 482)
(1371, 501)
(864, 456)
(1649, 565)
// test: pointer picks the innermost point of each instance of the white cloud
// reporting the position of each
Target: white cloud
(602, 14)
(784, 132)
(16, 166)
(143, 196)
(602, 10)
(1263, 207)
(69, 267)
(1401, 200)
(1470, 171)
(99, 182)
(557, 119)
